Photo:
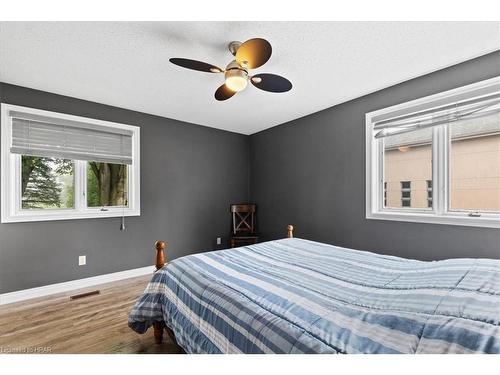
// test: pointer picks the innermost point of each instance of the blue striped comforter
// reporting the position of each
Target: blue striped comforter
(300, 296)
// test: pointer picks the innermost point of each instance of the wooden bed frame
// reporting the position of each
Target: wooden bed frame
(160, 326)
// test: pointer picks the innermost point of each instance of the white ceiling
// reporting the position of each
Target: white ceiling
(126, 64)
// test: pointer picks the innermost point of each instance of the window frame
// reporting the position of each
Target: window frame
(11, 210)
(429, 190)
(440, 212)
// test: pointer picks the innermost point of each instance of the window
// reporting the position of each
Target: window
(106, 185)
(407, 165)
(385, 194)
(56, 166)
(475, 164)
(405, 193)
(47, 183)
(437, 159)
(429, 193)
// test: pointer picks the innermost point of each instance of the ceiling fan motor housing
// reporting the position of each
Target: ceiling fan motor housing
(233, 47)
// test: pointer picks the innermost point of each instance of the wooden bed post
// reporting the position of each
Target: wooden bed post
(158, 331)
(160, 254)
(289, 233)
(160, 262)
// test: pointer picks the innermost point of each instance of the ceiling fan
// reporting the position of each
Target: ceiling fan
(249, 55)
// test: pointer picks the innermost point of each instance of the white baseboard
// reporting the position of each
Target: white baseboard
(46, 290)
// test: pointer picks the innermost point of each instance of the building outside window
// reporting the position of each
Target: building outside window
(407, 168)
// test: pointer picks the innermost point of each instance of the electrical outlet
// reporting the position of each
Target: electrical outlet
(219, 241)
(82, 260)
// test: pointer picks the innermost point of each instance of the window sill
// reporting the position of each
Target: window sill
(67, 215)
(489, 221)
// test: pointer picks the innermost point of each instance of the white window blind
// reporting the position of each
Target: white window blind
(448, 114)
(58, 138)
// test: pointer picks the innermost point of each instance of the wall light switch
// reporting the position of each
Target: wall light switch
(82, 260)
(218, 241)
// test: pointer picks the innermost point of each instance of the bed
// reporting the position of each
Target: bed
(299, 296)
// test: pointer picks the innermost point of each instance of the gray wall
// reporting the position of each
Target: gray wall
(189, 176)
(310, 172)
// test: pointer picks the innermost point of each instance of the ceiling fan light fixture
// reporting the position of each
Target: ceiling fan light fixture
(236, 83)
(236, 79)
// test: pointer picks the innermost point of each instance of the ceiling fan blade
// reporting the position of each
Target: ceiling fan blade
(254, 53)
(196, 65)
(223, 93)
(271, 82)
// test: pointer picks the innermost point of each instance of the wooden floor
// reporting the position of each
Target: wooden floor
(95, 324)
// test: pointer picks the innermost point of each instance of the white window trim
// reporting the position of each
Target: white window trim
(10, 209)
(439, 213)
